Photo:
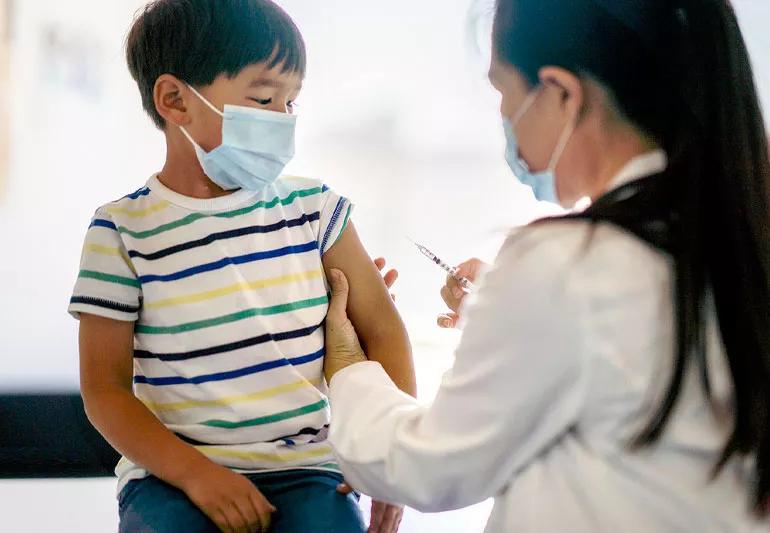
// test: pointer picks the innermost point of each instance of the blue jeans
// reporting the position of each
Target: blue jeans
(307, 502)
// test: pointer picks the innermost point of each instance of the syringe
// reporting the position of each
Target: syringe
(464, 282)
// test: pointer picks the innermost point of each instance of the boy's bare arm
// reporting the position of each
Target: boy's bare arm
(106, 374)
(372, 311)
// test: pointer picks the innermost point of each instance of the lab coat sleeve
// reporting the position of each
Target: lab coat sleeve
(517, 386)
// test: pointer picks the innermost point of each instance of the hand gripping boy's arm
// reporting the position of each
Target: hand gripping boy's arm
(371, 309)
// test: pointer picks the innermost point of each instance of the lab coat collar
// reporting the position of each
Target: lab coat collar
(641, 166)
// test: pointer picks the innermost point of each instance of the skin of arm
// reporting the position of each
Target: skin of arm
(106, 372)
(372, 311)
(230, 500)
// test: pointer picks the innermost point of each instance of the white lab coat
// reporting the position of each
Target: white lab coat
(567, 341)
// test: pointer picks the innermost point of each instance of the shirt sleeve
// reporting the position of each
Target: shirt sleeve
(107, 283)
(335, 213)
(518, 384)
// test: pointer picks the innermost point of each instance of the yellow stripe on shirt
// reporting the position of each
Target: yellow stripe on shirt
(236, 287)
(109, 250)
(243, 398)
(139, 213)
(265, 457)
(104, 250)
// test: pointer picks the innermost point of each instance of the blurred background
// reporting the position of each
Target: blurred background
(396, 114)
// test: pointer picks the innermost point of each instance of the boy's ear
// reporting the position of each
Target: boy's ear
(169, 100)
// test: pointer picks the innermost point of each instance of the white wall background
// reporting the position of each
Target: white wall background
(396, 114)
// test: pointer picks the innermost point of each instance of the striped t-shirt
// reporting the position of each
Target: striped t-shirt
(228, 296)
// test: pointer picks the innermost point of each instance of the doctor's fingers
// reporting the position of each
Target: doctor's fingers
(448, 295)
(390, 276)
(337, 313)
(471, 269)
(392, 520)
(448, 320)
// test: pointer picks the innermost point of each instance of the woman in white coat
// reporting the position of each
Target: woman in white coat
(614, 370)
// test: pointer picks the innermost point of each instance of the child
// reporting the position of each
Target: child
(202, 296)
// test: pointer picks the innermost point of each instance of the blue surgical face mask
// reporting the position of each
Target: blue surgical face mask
(256, 146)
(543, 183)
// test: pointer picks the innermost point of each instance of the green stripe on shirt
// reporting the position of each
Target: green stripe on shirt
(234, 317)
(347, 218)
(278, 417)
(109, 278)
(189, 219)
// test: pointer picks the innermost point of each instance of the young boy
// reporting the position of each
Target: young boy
(202, 296)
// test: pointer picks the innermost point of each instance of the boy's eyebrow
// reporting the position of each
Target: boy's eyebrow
(269, 83)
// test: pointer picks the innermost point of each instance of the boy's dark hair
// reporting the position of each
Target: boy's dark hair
(198, 40)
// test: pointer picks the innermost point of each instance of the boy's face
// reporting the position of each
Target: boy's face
(257, 86)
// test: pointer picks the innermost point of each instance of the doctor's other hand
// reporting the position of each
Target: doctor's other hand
(385, 517)
(453, 294)
(342, 346)
(389, 277)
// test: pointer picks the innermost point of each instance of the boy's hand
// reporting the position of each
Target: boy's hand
(230, 500)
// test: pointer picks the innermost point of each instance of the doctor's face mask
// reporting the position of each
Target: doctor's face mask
(542, 182)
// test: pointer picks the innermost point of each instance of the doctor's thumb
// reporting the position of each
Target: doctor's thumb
(339, 299)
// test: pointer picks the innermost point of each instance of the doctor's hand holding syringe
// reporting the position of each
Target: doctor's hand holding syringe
(459, 283)
(454, 292)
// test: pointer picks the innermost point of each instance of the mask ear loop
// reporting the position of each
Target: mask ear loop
(562, 145)
(210, 105)
(189, 138)
(523, 108)
(203, 99)
(528, 101)
(558, 151)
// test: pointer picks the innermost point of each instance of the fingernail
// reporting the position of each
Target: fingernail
(445, 322)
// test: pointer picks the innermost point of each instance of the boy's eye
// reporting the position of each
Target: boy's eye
(292, 105)
(262, 101)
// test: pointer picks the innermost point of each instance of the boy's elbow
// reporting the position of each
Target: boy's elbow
(92, 403)
(97, 400)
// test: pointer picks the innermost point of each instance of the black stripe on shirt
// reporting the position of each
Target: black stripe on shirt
(303, 431)
(223, 235)
(229, 347)
(106, 304)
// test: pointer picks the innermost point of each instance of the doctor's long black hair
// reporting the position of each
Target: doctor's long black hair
(680, 71)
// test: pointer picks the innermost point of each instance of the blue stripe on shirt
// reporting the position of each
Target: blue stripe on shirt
(332, 224)
(100, 223)
(232, 374)
(144, 191)
(238, 260)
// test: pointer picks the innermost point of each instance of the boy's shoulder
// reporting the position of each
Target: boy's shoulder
(132, 202)
(300, 183)
(144, 201)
